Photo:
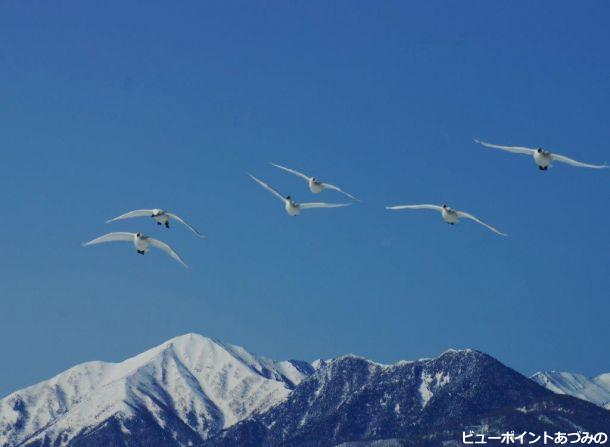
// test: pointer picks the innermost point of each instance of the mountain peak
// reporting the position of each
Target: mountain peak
(203, 384)
(460, 351)
(191, 337)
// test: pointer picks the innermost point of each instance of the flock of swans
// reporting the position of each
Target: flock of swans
(142, 243)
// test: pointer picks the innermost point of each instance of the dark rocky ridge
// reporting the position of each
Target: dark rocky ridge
(352, 399)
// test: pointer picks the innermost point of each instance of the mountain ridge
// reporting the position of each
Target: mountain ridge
(197, 391)
(428, 402)
(592, 389)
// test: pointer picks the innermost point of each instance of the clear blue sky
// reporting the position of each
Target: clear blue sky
(111, 106)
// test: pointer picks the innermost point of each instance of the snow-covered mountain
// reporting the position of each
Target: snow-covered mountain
(595, 390)
(194, 391)
(188, 387)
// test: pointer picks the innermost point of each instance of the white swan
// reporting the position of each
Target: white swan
(162, 217)
(449, 215)
(542, 158)
(315, 185)
(140, 242)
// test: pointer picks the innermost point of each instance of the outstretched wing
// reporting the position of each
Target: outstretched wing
(322, 205)
(135, 213)
(513, 149)
(572, 162)
(471, 217)
(415, 207)
(268, 188)
(336, 188)
(118, 236)
(167, 249)
(185, 223)
(292, 171)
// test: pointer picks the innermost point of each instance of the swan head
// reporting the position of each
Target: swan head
(138, 234)
(444, 206)
(158, 212)
(539, 150)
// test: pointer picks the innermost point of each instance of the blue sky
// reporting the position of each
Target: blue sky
(107, 107)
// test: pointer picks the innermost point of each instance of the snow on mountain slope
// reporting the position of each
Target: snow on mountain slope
(208, 385)
(595, 390)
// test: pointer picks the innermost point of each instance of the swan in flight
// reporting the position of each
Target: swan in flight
(140, 242)
(291, 206)
(162, 217)
(542, 158)
(449, 215)
(315, 185)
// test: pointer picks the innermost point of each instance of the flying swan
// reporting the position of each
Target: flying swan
(162, 217)
(140, 242)
(542, 158)
(449, 215)
(315, 185)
